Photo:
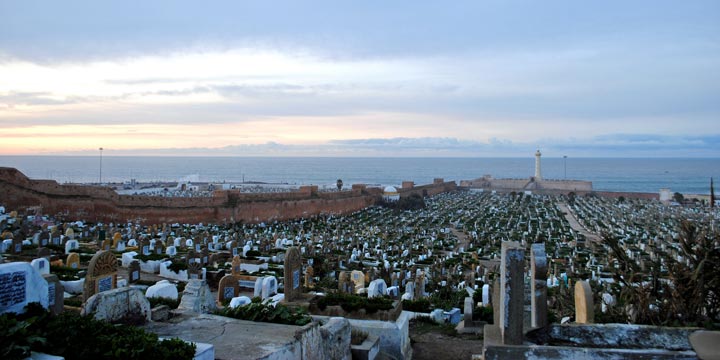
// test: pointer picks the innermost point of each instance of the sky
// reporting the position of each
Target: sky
(365, 78)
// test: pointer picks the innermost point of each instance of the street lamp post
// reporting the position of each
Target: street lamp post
(101, 150)
(565, 165)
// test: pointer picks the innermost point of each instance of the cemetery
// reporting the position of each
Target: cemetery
(520, 273)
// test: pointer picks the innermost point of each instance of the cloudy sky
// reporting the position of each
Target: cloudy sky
(363, 78)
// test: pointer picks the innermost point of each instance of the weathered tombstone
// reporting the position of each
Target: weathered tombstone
(227, 288)
(377, 288)
(269, 287)
(358, 278)
(512, 266)
(16, 245)
(144, 247)
(584, 309)
(345, 285)
(486, 295)
(235, 267)
(116, 239)
(538, 283)
(20, 284)
(159, 247)
(42, 265)
(73, 261)
(134, 272)
(105, 245)
(194, 270)
(309, 273)
(197, 298)
(468, 313)
(101, 274)
(71, 245)
(292, 269)
(171, 250)
(55, 294)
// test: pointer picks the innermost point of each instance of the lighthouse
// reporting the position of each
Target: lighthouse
(538, 173)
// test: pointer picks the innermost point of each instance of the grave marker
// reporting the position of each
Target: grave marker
(584, 309)
(538, 286)
(292, 269)
(101, 274)
(134, 272)
(512, 266)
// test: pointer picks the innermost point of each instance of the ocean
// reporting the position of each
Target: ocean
(690, 176)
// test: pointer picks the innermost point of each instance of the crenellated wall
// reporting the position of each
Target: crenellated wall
(92, 203)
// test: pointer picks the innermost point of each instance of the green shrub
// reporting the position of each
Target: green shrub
(157, 301)
(177, 266)
(259, 311)
(420, 305)
(67, 335)
(350, 302)
(150, 257)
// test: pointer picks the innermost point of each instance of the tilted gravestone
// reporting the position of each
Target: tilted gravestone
(292, 269)
(101, 274)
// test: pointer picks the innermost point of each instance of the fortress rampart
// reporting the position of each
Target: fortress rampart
(540, 186)
(92, 203)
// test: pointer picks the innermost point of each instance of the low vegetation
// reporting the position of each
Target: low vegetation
(260, 311)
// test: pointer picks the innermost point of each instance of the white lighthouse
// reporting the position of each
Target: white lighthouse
(538, 173)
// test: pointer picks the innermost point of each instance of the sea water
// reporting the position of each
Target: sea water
(691, 176)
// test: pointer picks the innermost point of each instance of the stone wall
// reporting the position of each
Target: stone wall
(92, 203)
(529, 184)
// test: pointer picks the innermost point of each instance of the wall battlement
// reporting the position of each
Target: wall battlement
(93, 203)
(530, 184)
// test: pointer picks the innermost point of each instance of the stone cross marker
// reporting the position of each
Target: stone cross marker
(292, 269)
(584, 309)
(538, 286)
(101, 274)
(512, 269)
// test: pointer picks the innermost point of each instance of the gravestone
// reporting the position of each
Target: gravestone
(345, 285)
(227, 288)
(358, 278)
(486, 295)
(105, 245)
(73, 261)
(159, 247)
(197, 298)
(144, 247)
(117, 238)
(292, 269)
(71, 245)
(309, 273)
(538, 286)
(42, 265)
(55, 294)
(21, 284)
(512, 266)
(377, 288)
(194, 270)
(134, 272)
(235, 267)
(468, 313)
(16, 245)
(101, 274)
(269, 287)
(584, 309)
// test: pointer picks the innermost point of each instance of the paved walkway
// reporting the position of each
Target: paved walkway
(575, 225)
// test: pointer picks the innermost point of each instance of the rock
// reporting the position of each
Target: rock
(118, 304)
(197, 298)
(239, 301)
(706, 344)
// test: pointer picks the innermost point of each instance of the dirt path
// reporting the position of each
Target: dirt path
(436, 345)
(575, 225)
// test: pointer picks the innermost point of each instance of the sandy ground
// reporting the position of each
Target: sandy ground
(432, 343)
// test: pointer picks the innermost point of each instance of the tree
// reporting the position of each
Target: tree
(678, 197)
(339, 184)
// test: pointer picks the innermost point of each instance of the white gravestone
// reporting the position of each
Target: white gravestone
(21, 284)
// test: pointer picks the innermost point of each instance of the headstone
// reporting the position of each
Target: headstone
(16, 245)
(377, 288)
(358, 278)
(71, 245)
(486, 295)
(227, 288)
(269, 287)
(512, 266)
(345, 285)
(197, 298)
(101, 274)
(171, 251)
(55, 294)
(584, 309)
(42, 265)
(134, 272)
(235, 266)
(73, 261)
(21, 284)
(538, 283)
(468, 313)
(309, 273)
(194, 270)
(292, 269)
(105, 245)
(117, 238)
